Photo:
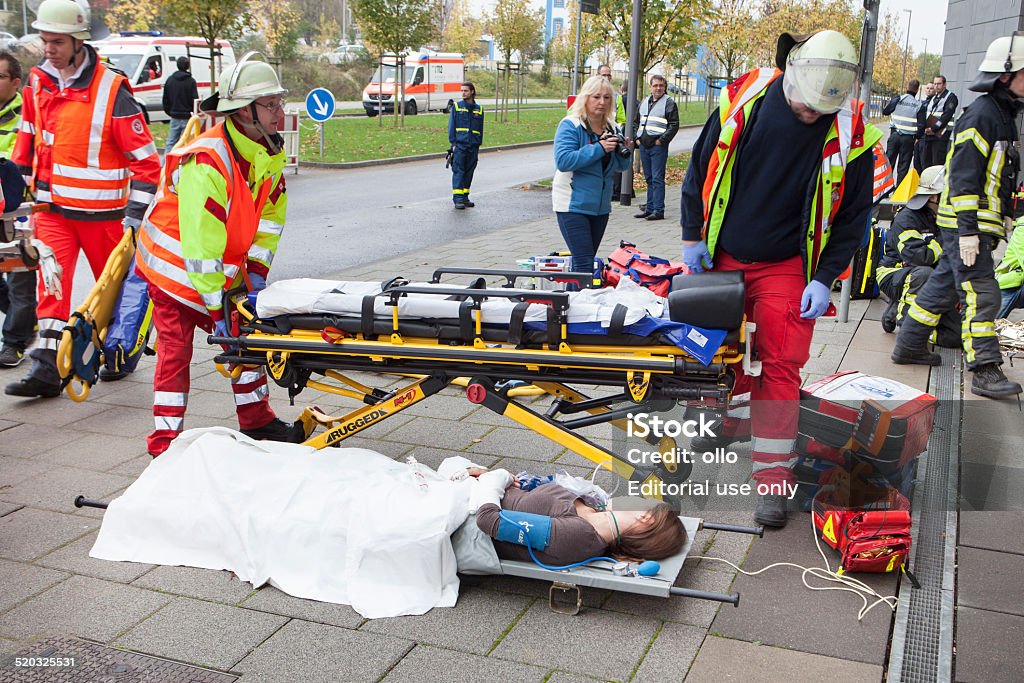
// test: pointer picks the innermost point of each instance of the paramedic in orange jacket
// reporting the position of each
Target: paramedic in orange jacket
(216, 223)
(84, 148)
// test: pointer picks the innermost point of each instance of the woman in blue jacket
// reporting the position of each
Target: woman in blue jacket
(587, 164)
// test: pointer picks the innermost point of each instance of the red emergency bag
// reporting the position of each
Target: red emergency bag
(869, 526)
(647, 271)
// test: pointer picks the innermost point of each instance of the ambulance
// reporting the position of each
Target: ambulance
(431, 80)
(148, 58)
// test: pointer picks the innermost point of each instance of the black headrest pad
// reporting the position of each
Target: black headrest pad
(711, 300)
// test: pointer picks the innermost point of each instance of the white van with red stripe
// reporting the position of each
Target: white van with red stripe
(147, 58)
(431, 80)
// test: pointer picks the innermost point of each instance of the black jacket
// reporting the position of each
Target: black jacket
(982, 167)
(180, 92)
(671, 114)
(911, 241)
(941, 127)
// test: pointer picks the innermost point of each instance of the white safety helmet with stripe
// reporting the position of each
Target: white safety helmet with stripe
(63, 16)
(820, 70)
(242, 84)
(1004, 56)
(932, 182)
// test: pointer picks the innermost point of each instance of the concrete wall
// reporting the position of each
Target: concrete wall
(970, 26)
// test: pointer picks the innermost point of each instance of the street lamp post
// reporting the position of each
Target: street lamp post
(906, 51)
(922, 57)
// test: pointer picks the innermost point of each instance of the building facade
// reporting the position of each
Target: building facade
(970, 26)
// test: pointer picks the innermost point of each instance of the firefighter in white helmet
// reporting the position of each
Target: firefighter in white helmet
(790, 233)
(74, 104)
(215, 225)
(981, 174)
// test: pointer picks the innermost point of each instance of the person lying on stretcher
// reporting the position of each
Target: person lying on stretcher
(577, 531)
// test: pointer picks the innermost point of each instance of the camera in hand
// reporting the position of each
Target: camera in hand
(620, 148)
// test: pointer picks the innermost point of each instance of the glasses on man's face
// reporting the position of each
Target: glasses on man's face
(272, 106)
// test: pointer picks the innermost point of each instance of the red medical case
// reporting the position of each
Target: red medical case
(881, 421)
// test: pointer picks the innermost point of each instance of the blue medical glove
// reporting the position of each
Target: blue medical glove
(220, 329)
(696, 256)
(814, 301)
(257, 282)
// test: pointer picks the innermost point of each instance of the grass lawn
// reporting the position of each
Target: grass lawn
(360, 139)
(675, 169)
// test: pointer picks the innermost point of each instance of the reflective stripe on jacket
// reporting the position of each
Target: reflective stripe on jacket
(466, 123)
(86, 148)
(981, 167)
(1010, 271)
(912, 240)
(848, 137)
(228, 221)
(10, 119)
(904, 118)
(653, 122)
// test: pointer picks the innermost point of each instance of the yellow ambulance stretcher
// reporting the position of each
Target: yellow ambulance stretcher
(311, 333)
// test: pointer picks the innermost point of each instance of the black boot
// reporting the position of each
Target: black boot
(902, 355)
(32, 387)
(110, 375)
(278, 430)
(708, 444)
(990, 381)
(889, 316)
(771, 511)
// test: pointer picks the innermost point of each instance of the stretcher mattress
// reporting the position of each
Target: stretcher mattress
(630, 314)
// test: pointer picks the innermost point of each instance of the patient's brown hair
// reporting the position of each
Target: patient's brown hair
(663, 536)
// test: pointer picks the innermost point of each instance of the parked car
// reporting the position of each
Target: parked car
(344, 54)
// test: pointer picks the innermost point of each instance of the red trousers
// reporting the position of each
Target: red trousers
(175, 326)
(66, 237)
(767, 407)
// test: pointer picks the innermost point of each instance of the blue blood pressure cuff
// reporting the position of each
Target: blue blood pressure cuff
(524, 528)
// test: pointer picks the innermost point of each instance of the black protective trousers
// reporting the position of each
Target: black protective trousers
(899, 151)
(903, 286)
(976, 290)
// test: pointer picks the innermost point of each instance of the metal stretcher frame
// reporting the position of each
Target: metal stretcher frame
(567, 582)
(652, 378)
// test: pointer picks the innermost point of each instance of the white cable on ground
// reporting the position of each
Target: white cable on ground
(849, 584)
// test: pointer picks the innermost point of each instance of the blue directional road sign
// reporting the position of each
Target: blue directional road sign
(320, 104)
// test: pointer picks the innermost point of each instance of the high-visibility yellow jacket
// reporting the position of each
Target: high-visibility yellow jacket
(219, 214)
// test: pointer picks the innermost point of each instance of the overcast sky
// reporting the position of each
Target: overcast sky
(927, 19)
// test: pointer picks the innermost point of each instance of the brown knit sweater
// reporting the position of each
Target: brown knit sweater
(572, 538)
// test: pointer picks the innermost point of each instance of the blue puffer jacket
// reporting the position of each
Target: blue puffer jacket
(582, 183)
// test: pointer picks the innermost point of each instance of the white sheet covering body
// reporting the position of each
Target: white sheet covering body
(307, 295)
(343, 525)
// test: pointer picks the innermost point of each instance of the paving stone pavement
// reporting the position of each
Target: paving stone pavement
(501, 629)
